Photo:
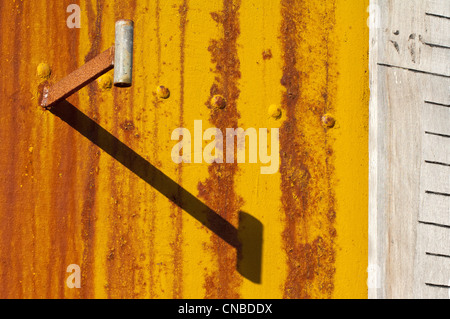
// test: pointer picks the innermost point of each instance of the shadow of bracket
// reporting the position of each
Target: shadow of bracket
(247, 239)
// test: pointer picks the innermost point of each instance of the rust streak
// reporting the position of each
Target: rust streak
(218, 188)
(156, 102)
(63, 212)
(72, 215)
(120, 263)
(9, 246)
(306, 169)
(17, 240)
(90, 184)
(178, 257)
(122, 266)
(267, 54)
(131, 244)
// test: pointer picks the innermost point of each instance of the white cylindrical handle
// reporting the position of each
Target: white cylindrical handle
(123, 59)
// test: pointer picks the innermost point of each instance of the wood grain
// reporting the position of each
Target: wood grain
(409, 150)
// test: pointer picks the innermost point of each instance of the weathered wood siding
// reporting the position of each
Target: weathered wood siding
(409, 201)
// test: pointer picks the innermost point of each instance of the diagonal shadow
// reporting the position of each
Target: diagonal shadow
(247, 239)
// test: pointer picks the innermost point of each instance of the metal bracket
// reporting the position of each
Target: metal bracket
(119, 57)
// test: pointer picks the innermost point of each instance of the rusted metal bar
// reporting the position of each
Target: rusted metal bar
(78, 79)
(123, 63)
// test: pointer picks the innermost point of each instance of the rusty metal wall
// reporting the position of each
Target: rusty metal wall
(92, 182)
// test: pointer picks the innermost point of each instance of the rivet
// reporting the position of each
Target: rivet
(44, 71)
(162, 92)
(328, 121)
(274, 111)
(218, 102)
(105, 82)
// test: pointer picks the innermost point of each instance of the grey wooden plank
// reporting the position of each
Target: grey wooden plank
(436, 276)
(436, 149)
(437, 31)
(433, 261)
(404, 28)
(435, 210)
(403, 164)
(438, 7)
(438, 270)
(435, 239)
(435, 179)
(436, 118)
(437, 90)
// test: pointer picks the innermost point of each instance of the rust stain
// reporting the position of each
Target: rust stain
(306, 173)
(17, 244)
(88, 207)
(63, 203)
(131, 242)
(9, 246)
(23, 225)
(267, 54)
(122, 265)
(178, 222)
(218, 189)
(156, 102)
(127, 126)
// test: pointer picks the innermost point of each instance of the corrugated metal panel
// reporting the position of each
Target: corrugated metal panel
(92, 182)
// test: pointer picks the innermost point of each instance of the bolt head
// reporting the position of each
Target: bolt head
(218, 102)
(44, 71)
(274, 111)
(105, 82)
(162, 92)
(328, 121)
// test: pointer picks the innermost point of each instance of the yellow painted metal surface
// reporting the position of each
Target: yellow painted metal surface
(88, 183)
